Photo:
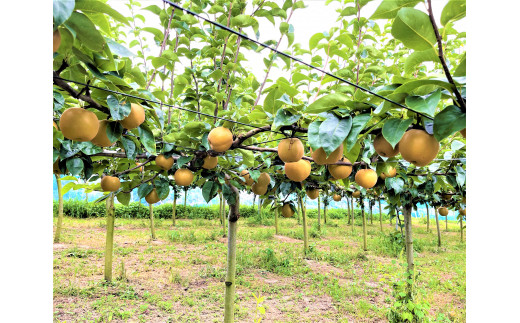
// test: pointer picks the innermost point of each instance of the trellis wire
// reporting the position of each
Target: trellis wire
(162, 103)
(292, 57)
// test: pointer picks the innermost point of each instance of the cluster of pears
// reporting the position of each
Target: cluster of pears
(291, 151)
(416, 146)
(260, 186)
(83, 125)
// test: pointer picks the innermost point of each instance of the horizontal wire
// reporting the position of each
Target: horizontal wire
(293, 58)
(265, 142)
(162, 103)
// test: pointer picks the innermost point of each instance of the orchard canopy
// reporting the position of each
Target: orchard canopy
(175, 103)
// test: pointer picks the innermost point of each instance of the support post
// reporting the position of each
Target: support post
(380, 216)
(364, 224)
(407, 213)
(304, 222)
(461, 229)
(325, 204)
(231, 258)
(349, 216)
(60, 210)
(109, 245)
(371, 215)
(438, 228)
(427, 218)
(174, 207)
(276, 220)
(152, 226)
(319, 214)
(352, 218)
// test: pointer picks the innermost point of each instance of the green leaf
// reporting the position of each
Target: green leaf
(394, 129)
(130, 148)
(229, 195)
(156, 32)
(61, 11)
(395, 183)
(89, 148)
(453, 11)
(461, 176)
(248, 157)
(353, 153)
(284, 118)
(315, 39)
(414, 29)
(159, 61)
(358, 123)
(348, 11)
(183, 160)
(144, 189)
(114, 131)
(118, 111)
(119, 49)
(86, 31)
(146, 137)
(461, 69)
(75, 166)
(418, 57)
(209, 190)
(100, 7)
(388, 8)
(425, 104)
(448, 121)
(243, 21)
(313, 134)
(162, 187)
(333, 132)
(327, 102)
(408, 87)
(123, 198)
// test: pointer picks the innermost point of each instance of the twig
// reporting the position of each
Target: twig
(460, 100)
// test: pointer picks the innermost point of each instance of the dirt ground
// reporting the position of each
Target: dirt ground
(179, 277)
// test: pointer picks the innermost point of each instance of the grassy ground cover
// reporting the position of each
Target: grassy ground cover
(180, 276)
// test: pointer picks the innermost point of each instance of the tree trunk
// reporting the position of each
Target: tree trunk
(319, 215)
(220, 217)
(276, 220)
(260, 208)
(371, 214)
(438, 228)
(427, 218)
(349, 216)
(223, 216)
(352, 218)
(380, 216)
(298, 213)
(325, 204)
(185, 197)
(461, 230)
(304, 221)
(152, 226)
(231, 258)
(396, 219)
(364, 224)
(407, 213)
(174, 208)
(109, 246)
(60, 210)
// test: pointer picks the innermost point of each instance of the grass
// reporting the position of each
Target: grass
(180, 276)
